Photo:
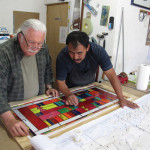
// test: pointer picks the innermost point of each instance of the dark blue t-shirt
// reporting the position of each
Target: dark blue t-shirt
(79, 74)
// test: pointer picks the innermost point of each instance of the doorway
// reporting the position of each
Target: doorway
(57, 16)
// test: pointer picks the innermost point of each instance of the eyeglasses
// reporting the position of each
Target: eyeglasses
(31, 44)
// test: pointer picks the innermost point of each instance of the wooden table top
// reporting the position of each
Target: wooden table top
(8, 143)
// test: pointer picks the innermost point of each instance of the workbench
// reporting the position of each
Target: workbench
(8, 143)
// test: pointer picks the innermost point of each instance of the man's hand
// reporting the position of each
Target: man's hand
(72, 100)
(128, 104)
(53, 92)
(111, 75)
(15, 127)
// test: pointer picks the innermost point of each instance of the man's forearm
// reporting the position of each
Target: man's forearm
(14, 126)
(71, 98)
(64, 88)
(115, 83)
(7, 117)
(117, 88)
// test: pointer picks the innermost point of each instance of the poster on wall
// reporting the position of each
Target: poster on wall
(148, 34)
(63, 31)
(104, 15)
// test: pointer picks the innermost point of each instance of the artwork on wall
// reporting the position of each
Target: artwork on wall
(148, 34)
(104, 15)
(141, 3)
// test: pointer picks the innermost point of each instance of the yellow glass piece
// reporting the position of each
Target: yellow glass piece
(49, 106)
(35, 110)
(47, 123)
(63, 117)
(90, 90)
(82, 100)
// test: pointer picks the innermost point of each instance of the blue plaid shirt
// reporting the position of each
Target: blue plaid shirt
(11, 78)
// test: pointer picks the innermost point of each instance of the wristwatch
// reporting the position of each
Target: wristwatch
(49, 87)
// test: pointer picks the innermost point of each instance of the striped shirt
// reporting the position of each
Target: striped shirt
(11, 78)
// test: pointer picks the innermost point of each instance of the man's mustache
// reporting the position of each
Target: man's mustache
(76, 59)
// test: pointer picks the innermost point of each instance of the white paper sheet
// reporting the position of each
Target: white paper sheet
(122, 128)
